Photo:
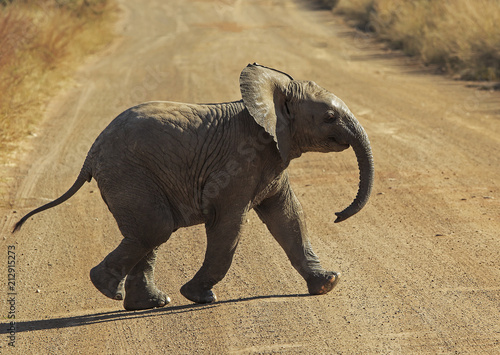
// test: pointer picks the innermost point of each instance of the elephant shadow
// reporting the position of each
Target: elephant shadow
(103, 317)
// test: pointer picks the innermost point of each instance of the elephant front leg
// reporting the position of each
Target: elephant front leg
(284, 217)
(222, 239)
(141, 291)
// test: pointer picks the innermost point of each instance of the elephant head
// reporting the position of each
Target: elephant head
(301, 116)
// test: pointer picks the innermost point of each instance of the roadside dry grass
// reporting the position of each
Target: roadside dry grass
(462, 37)
(41, 44)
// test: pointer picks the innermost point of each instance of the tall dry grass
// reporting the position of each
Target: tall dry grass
(41, 44)
(461, 36)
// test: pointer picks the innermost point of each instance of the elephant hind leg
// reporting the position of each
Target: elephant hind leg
(132, 261)
(145, 223)
(141, 291)
(109, 275)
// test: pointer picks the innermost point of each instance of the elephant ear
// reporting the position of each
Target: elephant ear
(263, 92)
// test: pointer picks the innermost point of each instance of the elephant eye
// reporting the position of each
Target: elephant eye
(331, 117)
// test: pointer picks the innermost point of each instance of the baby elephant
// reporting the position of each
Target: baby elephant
(161, 166)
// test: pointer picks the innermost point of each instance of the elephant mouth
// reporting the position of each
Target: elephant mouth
(339, 146)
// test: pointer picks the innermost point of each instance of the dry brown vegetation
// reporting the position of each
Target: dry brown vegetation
(461, 36)
(41, 44)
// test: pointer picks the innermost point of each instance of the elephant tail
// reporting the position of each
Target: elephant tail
(84, 176)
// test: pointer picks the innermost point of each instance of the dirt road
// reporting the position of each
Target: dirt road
(420, 264)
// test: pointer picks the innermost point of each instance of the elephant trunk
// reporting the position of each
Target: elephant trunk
(362, 149)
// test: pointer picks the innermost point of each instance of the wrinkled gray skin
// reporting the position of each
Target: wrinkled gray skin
(161, 166)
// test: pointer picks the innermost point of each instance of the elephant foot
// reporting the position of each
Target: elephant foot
(109, 284)
(320, 285)
(195, 295)
(145, 299)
